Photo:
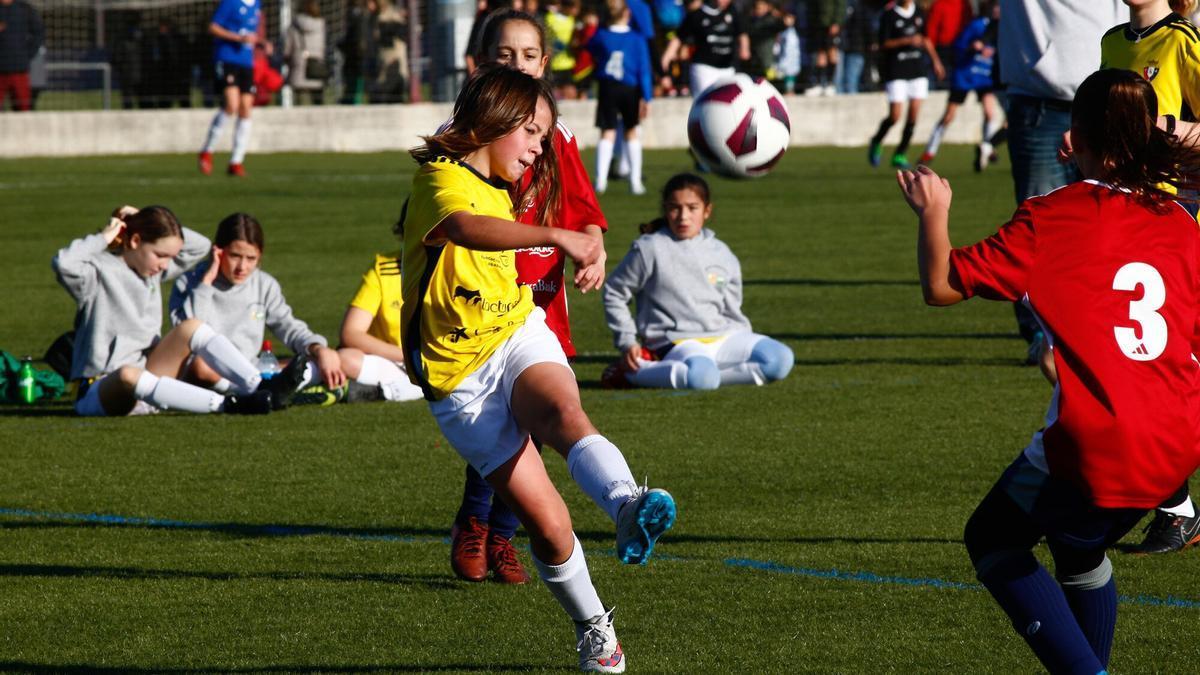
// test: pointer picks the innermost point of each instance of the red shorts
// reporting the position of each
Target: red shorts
(16, 85)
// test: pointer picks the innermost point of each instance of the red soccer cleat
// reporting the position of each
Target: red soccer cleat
(503, 562)
(205, 160)
(467, 550)
(236, 170)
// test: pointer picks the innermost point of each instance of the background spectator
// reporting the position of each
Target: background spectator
(766, 22)
(857, 33)
(21, 36)
(947, 19)
(166, 73)
(354, 47)
(824, 30)
(391, 53)
(304, 52)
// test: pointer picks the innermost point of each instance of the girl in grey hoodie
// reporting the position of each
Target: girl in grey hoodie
(120, 363)
(689, 332)
(241, 301)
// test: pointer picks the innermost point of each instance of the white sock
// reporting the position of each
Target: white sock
(604, 155)
(743, 373)
(599, 468)
(660, 375)
(634, 151)
(621, 152)
(935, 139)
(241, 140)
(377, 370)
(401, 390)
(214, 130)
(220, 354)
(167, 393)
(990, 127)
(1184, 508)
(571, 585)
(222, 386)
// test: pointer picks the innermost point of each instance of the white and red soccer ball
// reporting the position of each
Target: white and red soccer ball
(739, 127)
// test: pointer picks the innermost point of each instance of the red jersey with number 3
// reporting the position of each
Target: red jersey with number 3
(542, 268)
(1116, 287)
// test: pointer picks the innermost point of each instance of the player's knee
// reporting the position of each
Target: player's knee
(774, 357)
(129, 376)
(1090, 580)
(702, 373)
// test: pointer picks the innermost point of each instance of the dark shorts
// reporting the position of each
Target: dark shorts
(819, 39)
(617, 101)
(960, 95)
(233, 75)
(1027, 504)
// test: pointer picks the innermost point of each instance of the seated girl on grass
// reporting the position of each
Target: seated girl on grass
(689, 332)
(120, 363)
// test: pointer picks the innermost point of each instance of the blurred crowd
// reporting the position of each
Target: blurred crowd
(811, 47)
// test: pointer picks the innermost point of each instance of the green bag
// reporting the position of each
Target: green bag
(47, 385)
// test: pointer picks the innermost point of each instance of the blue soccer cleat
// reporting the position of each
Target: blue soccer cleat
(641, 521)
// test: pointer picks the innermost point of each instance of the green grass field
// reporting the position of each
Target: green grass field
(820, 516)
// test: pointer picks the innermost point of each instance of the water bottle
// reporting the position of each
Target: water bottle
(25, 382)
(267, 364)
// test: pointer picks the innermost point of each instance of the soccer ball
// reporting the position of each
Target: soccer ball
(739, 127)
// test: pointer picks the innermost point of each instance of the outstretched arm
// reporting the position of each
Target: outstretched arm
(487, 233)
(929, 196)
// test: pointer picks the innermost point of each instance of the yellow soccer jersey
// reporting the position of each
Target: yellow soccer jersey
(1167, 54)
(459, 304)
(380, 294)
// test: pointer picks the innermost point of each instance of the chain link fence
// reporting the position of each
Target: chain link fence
(125, 54)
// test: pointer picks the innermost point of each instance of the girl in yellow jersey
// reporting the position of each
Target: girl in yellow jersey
(1161, 45)
(491, 369)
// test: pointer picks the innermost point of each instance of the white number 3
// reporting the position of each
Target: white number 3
(1143, 312)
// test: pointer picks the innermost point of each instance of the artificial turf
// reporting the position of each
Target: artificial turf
(820, 516)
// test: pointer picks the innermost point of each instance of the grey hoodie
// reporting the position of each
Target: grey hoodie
(241, 312)
(685, 288)
(120, 313)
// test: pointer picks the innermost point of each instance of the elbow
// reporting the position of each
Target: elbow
(937, 296)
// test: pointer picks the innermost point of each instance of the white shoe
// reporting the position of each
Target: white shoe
(601, 187)
(596, 642)
(829, 90)
(640, 522)
(637, 189)
(814, 90)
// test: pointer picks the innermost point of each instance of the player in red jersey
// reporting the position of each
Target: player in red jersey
(1111, 268)
(484, 526)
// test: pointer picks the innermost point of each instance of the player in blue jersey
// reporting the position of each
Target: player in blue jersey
(624, 74)
(235, 30)
(974, 53)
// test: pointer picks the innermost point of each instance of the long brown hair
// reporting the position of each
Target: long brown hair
(239, 227)
(493, 104)
(1115, 114)
(150, 223)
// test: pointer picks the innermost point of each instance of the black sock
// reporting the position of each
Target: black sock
(884, 126)
(906, 137)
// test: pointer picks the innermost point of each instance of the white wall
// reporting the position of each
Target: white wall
(837, 120)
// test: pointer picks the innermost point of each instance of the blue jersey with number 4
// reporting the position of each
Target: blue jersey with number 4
(241, 17)
(622, 56)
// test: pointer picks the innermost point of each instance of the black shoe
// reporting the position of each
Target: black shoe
(257, 403)
(1168, 532)
(356, 393)
(285, 383)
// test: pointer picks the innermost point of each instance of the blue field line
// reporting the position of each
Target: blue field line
(872, 578)
(743, 563)
(267, 530)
